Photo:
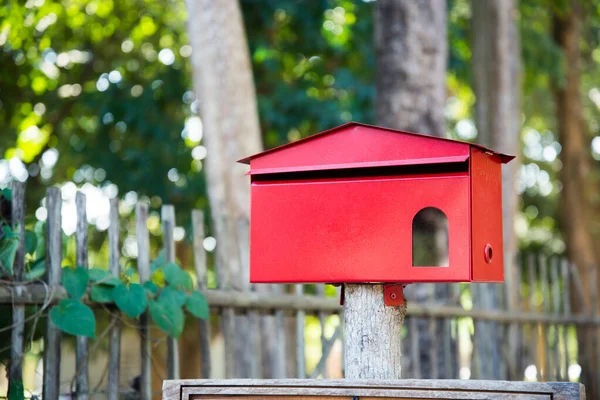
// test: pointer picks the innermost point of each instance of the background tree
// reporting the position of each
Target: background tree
(496, 79)
(576, 210)
(411, 46)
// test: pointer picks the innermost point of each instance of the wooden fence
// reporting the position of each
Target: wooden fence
(263, 326)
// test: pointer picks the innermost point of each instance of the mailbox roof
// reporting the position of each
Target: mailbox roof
(356, 145)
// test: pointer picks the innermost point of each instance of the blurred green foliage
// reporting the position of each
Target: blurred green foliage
(99, 92)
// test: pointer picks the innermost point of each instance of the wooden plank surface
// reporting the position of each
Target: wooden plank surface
(368, 388)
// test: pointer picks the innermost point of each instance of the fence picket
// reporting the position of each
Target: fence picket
(434, 352)
(545, 328)
(300, 317)
(168, 226)
(51, 385)
(320, 288)
(415, 353)
(565, 271)
(279, 337)
(531, 281)
(555, 283)
(143, 261)
(81, 260)
(114, 253)
(593, 274)
(202, 284)
(512, 293)
(15, 372)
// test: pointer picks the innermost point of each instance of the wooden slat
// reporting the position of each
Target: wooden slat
(201, 285)
(513, 303)
(547, 307)
(414, 346)
(51, 385)
(566, 277)
(227, 314)
(81, 260)
(531, 281)
(593, 274)
(555, 286)
(300, 322)
(279, 337)
(247, 340)
(114, 255)
(168, 226)
(143, 261)
(320, 289)
(434, 352)
(15, 371)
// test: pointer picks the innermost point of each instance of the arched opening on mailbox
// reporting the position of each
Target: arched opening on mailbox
(430, 238)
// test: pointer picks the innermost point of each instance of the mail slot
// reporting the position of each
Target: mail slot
(345, 205)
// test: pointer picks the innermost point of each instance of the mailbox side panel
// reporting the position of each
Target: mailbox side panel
(486, 219)
(354, 229)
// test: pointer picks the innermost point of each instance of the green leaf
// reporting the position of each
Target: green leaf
(131, 300)
(98, 274)
(167, 316)
(8, 251)
(30, 242)
(40, 233)
(74, 317)
(158, 261)
(177, 277)
(150, 287)
(102, 293)
(172, 295)
(36, 271)
(9, 233)
(197, 305)
(7, 194)
(75, 280)
(102, 276)
(15, 390)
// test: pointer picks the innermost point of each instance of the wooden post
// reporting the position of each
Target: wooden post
(373, 349)
(15, 371)
(114, 255)
(168, 226)
(201, 278)
(81, 259)
(143, 242)
(51, 384)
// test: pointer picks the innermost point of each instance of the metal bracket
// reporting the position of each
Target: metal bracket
(393, 294)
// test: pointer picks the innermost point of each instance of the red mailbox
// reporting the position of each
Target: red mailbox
(341, 206)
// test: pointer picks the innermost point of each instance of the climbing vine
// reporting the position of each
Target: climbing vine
(166, 296)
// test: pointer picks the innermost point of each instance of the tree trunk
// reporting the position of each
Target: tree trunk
(496, 78)
(574, 175)
(224, 87)
(411, 94)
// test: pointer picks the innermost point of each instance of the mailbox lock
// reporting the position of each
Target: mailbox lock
(487, 253)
